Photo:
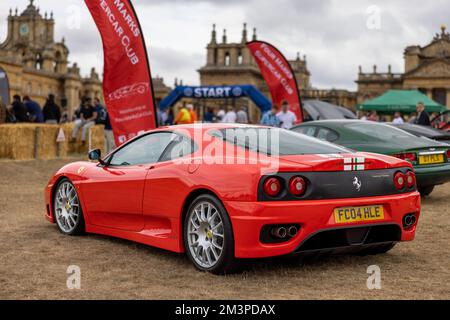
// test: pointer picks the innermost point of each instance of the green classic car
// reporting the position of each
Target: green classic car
(431, 159)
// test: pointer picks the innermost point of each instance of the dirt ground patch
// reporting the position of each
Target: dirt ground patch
(34, 258)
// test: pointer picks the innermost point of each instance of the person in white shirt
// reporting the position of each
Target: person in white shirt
(230, 116)
(398, 119)
(286, 117)
(241, 116)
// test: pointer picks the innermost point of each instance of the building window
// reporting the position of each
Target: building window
(38, 62)
(440, 96)
(240, 58)
(227, 59)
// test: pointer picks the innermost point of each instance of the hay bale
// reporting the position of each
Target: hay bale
(17, 141)
(25, 141)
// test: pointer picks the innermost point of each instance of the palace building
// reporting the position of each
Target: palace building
(427, 69)
(232, 64)
(32, 63)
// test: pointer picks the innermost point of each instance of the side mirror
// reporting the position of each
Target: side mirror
(96, 155)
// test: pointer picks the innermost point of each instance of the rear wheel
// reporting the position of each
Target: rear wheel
(67, 209)
(426, 191)
(208, 236)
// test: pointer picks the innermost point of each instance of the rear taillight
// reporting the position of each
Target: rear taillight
(411, 157)
(448, 155)
(297, 186)
(399, 180)
(272, 187)
(410, 179)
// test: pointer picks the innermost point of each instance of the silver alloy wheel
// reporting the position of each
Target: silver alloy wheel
(205, 234)
(67, 207)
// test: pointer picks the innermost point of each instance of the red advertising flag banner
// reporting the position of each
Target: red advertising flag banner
(278, 74)
(127, 82)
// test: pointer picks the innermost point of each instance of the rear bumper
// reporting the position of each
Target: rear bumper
(313, 216)
(432, 175)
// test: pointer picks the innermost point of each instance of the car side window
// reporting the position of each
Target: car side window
(181, 146)
(309, 131)
(327, 135)
(145, 150)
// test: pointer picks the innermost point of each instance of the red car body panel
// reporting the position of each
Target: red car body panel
(145, 203)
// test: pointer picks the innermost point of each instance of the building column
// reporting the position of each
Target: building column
(448, 98)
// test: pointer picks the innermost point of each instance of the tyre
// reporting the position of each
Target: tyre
(380, 249)
(426, 191)
(208, 236)
(67, 209)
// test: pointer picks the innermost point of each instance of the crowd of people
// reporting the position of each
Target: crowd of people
(420, 117)
(276, 117)
(90, 112)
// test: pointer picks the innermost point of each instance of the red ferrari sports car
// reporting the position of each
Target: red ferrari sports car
(221, 193)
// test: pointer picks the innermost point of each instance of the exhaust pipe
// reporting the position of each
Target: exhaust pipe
(279, 232)
(409, 220)
(292, 231)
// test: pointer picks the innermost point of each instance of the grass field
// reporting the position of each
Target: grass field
(34, 258)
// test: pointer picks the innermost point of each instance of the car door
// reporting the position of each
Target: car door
(113, 194)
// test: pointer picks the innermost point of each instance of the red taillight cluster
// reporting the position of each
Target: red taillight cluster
(297, 186)
(401, 180)
(448, 155)
(410, 179)
(273, 186)
(411, 157)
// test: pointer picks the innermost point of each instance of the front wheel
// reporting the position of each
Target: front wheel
(208, 236)
(67, 209)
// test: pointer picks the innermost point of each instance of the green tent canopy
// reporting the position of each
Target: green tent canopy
(400, 100)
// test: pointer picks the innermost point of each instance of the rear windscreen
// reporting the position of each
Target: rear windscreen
(274, 141)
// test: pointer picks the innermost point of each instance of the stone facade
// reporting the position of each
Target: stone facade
(426, 69)
(232, 64)
(33, 64)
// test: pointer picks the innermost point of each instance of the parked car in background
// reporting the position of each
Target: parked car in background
(319, 110)
(423, 131)
(431, 159)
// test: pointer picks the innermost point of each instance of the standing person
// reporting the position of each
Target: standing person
(270, 117)
(364, 117)
(170, 117)
(220, 115)
(208, 117)
(183, 116)
(3, 111)
(88, 114)
(110, 143)
(241, 116)
(101, 112)
(423, 117)
(286, 117)
(192, 113)
(412, 118)
(373, 116)
(398, 119)
(230, 116)
(51, 111)
(34, 110)
(19, 110)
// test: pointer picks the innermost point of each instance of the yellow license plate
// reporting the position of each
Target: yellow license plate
(431, 158)
(357, 214)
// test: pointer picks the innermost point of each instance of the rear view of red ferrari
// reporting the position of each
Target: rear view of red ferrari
(221, 193)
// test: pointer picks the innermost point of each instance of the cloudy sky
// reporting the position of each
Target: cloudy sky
(336, 35)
